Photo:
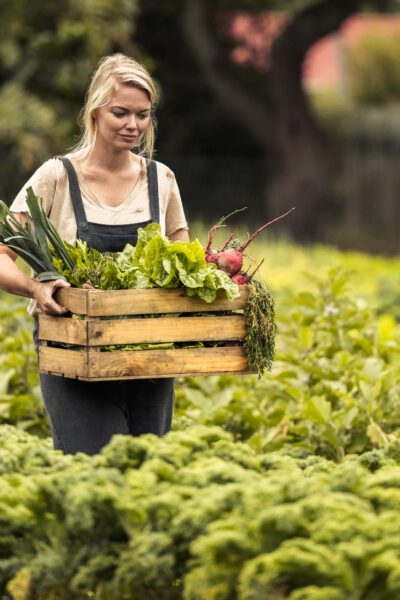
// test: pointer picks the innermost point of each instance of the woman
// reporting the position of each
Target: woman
(102, 192)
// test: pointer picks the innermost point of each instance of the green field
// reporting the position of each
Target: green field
(283, 487)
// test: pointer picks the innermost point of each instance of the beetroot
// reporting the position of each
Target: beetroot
(230, 257)
(230, 261)
(242, 278)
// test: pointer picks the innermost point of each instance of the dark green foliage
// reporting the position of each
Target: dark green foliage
(20, 397)
(47, 53)
(194, 516)
(334, 387)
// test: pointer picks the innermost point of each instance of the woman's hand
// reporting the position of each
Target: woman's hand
(87, 286)
(43, 292)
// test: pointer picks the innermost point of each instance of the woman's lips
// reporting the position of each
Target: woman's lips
(128, 137)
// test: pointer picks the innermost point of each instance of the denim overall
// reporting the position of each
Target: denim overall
(85, 415)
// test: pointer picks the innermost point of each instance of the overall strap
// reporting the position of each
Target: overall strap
(76, 198)
(152, 181)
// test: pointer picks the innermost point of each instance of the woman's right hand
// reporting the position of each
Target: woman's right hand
(43, 292)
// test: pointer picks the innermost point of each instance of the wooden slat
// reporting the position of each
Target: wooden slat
(169, 329)
(97, 303)
(63, 329)
(58, 361)
(72, 298)
(150, 364)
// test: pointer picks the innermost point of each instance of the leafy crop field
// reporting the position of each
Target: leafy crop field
(287, 487)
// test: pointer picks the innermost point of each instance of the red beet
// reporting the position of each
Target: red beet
(231, 260)
(242, 278)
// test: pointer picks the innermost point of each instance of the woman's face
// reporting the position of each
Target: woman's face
(121, 123)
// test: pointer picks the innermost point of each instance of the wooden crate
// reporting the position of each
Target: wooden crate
(87, 335)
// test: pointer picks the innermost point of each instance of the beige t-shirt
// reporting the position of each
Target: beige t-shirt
(50, 183)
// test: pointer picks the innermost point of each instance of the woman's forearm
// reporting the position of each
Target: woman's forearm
(181, 235)
(13, 280)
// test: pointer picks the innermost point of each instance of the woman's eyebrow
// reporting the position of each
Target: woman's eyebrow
(127, 109)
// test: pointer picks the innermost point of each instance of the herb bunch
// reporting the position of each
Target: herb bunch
(259, 343)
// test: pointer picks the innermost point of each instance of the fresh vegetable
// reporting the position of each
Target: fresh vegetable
(246, 277)
(36, 242)
(259, 343)
(155, 261)
(230, 257)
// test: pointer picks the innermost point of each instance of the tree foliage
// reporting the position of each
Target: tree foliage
(236, 110)
(374, 69)
(210, 107)
(47, 53)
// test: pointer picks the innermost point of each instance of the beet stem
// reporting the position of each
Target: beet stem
(256, 269)
(217, 225)
(227, 242)
(251, 238)
(211, 237)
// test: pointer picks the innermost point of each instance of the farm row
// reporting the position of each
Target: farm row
(286, 487)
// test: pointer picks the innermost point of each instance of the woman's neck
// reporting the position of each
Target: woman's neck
(108, 160)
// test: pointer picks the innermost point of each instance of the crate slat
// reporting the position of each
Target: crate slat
(72, 298)
(166, 363)
(142, 364)
(63, 329)
(58, 361)
(141, 331)
(172, 329)
(97, 303)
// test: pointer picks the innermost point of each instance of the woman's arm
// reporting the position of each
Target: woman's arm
(181, 235)
(15, 281)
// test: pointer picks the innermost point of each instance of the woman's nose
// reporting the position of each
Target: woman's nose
(131, 124)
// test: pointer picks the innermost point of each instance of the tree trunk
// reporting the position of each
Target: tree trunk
(297, 153)
(302, 166)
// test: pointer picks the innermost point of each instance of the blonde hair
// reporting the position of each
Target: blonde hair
(111, 71)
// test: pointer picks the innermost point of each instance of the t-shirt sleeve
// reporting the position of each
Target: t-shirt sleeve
(43, 183)
(175, 215)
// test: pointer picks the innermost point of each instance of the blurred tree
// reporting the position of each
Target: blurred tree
(47, 52)
(374, 69)
(209, 107)
(239, 107)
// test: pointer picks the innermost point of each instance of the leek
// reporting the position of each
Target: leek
(35, 241)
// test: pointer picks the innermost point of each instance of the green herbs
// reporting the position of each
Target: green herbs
(98, 269)
(36, 242)
(259, 343)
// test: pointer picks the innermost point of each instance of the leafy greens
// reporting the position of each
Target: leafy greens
(155, 261)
